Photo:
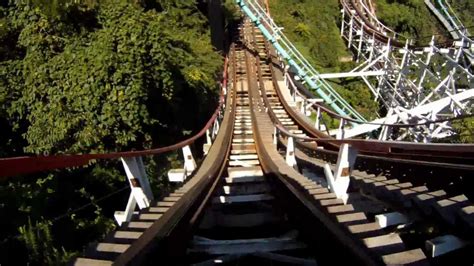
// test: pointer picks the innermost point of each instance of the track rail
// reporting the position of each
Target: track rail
(392, 187)
(248, 204)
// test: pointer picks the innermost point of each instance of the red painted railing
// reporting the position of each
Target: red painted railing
(30, 164)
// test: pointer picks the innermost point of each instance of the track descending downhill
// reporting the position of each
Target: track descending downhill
(243, 222)
(430, 208)
(273, 189)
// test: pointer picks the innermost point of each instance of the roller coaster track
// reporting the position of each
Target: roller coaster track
(274, 189)
(419, 83)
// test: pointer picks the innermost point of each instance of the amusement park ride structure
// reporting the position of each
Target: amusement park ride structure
(428, 86)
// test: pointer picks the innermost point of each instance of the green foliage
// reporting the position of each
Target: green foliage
(39, 241)
(411, 18)
(231, 11)
(89, 93)
(87, 78)
(464, 10)
(313, 27)
(465, 130)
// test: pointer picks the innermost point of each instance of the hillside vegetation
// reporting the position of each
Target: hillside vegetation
(464, 10)
(313, 26)
(411, 18)
(89, 78)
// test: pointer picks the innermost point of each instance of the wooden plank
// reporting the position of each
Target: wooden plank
(90, 262)
(406, 257)
(242, 198)
(245, 246)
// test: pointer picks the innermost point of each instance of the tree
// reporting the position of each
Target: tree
(124, 76)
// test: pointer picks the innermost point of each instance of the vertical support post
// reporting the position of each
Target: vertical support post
(385, 131)
(340, 131)
(208, 137)
(371, 48)
(402, 66)
(208, 143)
(140, 193)
(426, 64)
(342, 22)
(303, 107)
(351, 22)
(189, 163)
(359, 49)
(339, 181)
(290, 153)
(215, 128)
(318, 122)
(138, 181)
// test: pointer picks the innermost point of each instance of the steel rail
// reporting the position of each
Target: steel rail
(163, 238)
(449, 152)
(273, 165)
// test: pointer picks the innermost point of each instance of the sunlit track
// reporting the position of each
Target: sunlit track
(274, 189)
(244, 223)
(416, 200)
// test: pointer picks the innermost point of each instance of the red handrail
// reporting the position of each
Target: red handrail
(30, 164)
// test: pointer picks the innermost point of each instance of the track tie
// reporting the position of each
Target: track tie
(324, 196)
(107, 251)
(365, 230)
(149, 216)
(244, 163)
(242, 198)
(312, 186)
(330, 202)
(137, 225)
(385, 244)
(165, 204)
(409, 193)
(448, 207)
(171, 199)
(412, 257)
(244, 157)
(321, 190)
(158, 209)
(466, 215)
(351, 217)
(176, 194)
(237, 172)
(127, 234)
(246, 179)
(340, 208)
(91, 262)
(244, 246)
(426, 200)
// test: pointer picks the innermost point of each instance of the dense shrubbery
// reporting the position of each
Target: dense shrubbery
(411, 18)
(97, 77)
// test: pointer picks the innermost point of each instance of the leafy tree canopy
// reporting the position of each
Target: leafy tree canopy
(95, 76)
(76, 87)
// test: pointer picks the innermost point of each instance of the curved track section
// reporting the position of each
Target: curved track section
(426, 194)
(420, 83)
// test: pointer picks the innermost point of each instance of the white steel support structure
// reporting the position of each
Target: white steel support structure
(338, 181)
(140, 193)
(428, 76)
